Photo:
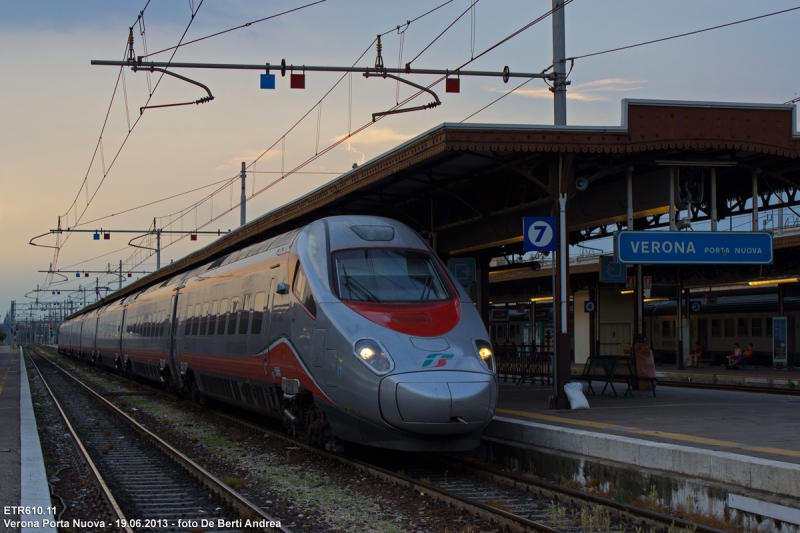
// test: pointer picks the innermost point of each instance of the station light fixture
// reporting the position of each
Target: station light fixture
(628, 291)
(772, 281)
(647, 300)
(542, 299)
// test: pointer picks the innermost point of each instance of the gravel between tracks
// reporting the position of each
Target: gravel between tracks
(68, 474)
(306, 492)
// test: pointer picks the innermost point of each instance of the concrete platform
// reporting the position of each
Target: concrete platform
(707, 446)
(21, 464)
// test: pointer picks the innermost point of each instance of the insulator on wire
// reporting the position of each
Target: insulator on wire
(379, 59)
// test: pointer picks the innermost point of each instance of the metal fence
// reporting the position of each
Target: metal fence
(520, 362)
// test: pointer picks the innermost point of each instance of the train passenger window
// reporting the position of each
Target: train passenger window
(233, 315)
(212, 320)
(258, 312)
(196, 321)
(303, 292)
(187, 321)
(204, 319)
(768, 326)
(742, 327)
(223, 310)
(665, 329)
(244, 321)
(163, 323)
(729, 330)
(756, 327)
(716, 327)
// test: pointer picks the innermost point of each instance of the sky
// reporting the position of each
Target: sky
(74, 145)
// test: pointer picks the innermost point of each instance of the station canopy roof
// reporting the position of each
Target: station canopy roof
(470, 184)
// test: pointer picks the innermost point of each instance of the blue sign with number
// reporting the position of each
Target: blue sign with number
(693, 247)
(589, 306)
(696, 307)
(539, 234)
(463, 269)
(611, 271)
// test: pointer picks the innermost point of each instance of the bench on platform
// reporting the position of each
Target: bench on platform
(610, 368)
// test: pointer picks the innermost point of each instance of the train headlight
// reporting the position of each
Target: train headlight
(485, 353)
(374, 356)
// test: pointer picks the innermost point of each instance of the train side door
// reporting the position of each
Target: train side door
(270, 319)
(172, 353)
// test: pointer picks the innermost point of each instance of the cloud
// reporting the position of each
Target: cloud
(584, 92)
(378, 136)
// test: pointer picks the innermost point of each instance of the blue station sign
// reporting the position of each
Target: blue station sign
(693, 247)
(539, 234)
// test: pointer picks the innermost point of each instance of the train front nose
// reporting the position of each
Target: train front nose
(438, 403)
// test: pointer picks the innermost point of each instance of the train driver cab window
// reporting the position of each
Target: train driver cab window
(258, 312)
(233, 315)
(387, 275)
(716, 327)
(756, 327)
(768, 326)
(303, 292)
(223, 314)
(729, 331)
(665, 329)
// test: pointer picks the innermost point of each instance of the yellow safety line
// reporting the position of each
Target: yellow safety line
(778, 451)
(662, 434)
(4, 378)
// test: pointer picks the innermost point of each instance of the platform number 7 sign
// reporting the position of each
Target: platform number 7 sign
(539, 234)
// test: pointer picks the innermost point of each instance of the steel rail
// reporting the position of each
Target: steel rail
(204, 476)
(96, 476)
(585, 496)
(730, 387)
(485, 511)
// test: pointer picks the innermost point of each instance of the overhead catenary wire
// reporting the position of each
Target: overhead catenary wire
(472, 4)
(285, 175)
(351, 133)
(239, 27)
(685, 34)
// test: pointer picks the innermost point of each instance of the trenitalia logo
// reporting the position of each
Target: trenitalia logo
(437, 359)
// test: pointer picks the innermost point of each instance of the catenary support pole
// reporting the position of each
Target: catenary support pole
(559, 65)
(243, 218)
(672, 226)
(158, 249)
(120, 274)
(754, 221)
(713, 199)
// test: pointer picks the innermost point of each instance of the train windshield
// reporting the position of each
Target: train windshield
(387, 275)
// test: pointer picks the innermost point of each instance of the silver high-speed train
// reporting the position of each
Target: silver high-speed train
(349, 329)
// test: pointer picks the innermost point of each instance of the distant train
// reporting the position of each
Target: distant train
(349, 329)
(739, 318)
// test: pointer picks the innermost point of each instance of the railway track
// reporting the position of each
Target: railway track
(729, 387)
(147, 490)
(514, 502)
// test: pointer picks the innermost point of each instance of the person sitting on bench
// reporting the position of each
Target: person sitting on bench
(694, 359)
(734, 355)
(746, 357)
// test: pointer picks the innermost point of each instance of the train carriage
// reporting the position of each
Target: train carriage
(347, 329)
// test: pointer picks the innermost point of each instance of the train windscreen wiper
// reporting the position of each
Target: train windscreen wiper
(351, 284)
